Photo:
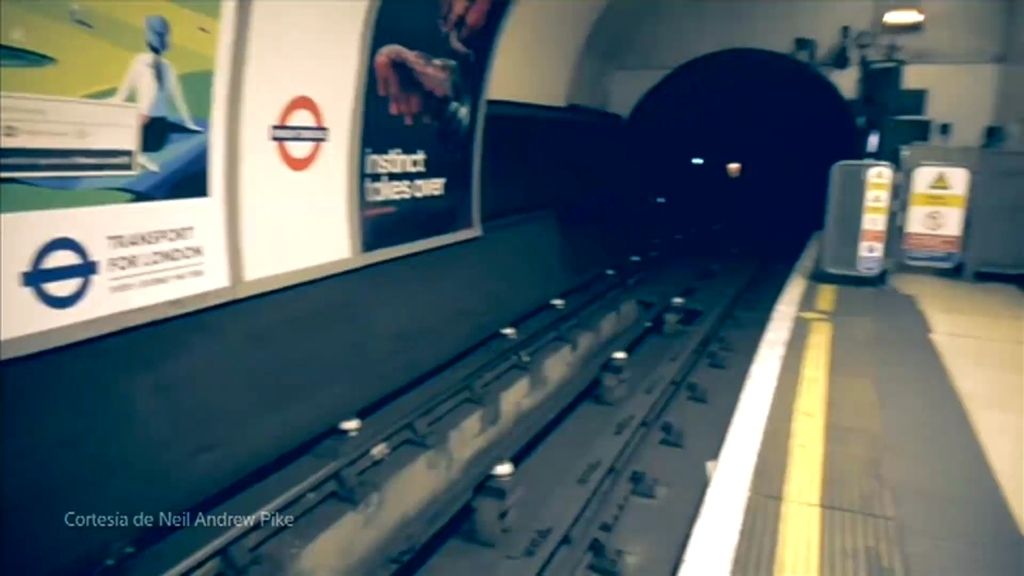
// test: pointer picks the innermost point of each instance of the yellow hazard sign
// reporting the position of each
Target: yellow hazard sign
(940, 182)
(947, 200)
(933, 227)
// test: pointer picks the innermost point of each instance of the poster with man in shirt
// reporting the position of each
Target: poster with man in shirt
(429, 62)
(103, 105)
(107, 199)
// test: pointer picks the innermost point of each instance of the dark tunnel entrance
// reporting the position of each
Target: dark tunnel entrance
(783, 121)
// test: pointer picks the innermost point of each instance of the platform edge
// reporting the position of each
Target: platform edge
(711, 549)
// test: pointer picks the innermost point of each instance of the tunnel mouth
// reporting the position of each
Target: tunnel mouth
(780, 120)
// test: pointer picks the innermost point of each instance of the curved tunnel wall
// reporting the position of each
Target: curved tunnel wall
(779, 118)
(171, 414)
(630, 46)
(527, 66)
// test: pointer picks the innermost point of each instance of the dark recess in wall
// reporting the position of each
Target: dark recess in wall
(564, 159)
(182, 413)
(540, 156)
(779, 117)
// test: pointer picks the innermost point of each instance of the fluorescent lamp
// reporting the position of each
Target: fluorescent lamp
(696, 161)
(903, 17)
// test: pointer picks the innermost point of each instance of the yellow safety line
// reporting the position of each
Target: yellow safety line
(798, 547)
(825, 299)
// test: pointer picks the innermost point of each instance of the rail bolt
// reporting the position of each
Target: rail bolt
(352, 426)
(504, 469)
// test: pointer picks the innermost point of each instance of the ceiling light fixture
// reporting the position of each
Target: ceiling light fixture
(903, 17)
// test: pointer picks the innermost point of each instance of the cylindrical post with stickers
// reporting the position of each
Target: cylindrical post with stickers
(857, 220)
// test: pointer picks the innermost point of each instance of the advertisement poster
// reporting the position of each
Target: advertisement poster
(106, 199)
(427, 72)
(874, 220)
(298, 134)
(934, 226)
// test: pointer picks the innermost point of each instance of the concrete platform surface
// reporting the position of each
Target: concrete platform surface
(895, 442)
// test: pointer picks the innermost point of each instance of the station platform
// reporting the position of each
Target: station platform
(894, 442)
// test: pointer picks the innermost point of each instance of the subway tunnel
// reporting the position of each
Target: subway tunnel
(783, 122)
(607, 299)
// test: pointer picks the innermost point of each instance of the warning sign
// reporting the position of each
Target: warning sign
(874, 219)
(934, 225)
(940, 182)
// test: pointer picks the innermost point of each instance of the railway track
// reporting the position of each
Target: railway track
(613, 489)
(574, 441)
